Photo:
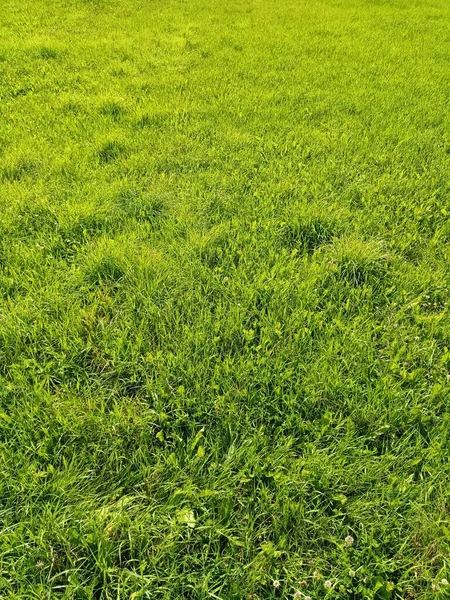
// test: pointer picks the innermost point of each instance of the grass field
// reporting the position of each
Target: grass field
(224, 283)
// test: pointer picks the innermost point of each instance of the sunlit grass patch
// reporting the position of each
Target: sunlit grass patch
(359, 262)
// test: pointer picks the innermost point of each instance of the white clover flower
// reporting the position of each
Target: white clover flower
(444, 582)
(349, 540)
(316, 575)
(276, 584)
(328, 584)
(298, 595)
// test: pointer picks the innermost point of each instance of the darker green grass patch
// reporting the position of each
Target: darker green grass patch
(97, 3)
(88, 226)
(48, 53)
(113, 110)
(3, 145)
(142, 206)
(3, 251)
(21, 91)
(73, 236)
(19, 170)
(219, 248)
(156, 121)
(309, 230)
(107, 269)
(73, 108)
(110, 151)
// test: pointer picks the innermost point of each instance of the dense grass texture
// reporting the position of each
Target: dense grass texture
(224, 282)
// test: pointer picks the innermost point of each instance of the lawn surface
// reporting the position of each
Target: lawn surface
(224, 282)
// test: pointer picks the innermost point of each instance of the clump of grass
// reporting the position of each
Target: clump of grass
(112, 109)
(75, 232)
(308, 229)
(20, 169)
(359, 262)
(48, 53)
(106, 263)
(156, 121)
(73, 107)
(142, 206)
(107, 269)
(110, 151)
(217, 248)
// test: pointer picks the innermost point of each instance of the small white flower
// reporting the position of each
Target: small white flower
(328, 584)
(434, 587)
(444, 582)
(351, 572)
(298, 595)
(349, 540)
(316, 575)
(276, 584)
(307, 598)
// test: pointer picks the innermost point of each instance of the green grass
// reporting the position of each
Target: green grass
(224, 283)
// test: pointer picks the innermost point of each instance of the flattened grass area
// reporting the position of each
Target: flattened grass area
(224, 279)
